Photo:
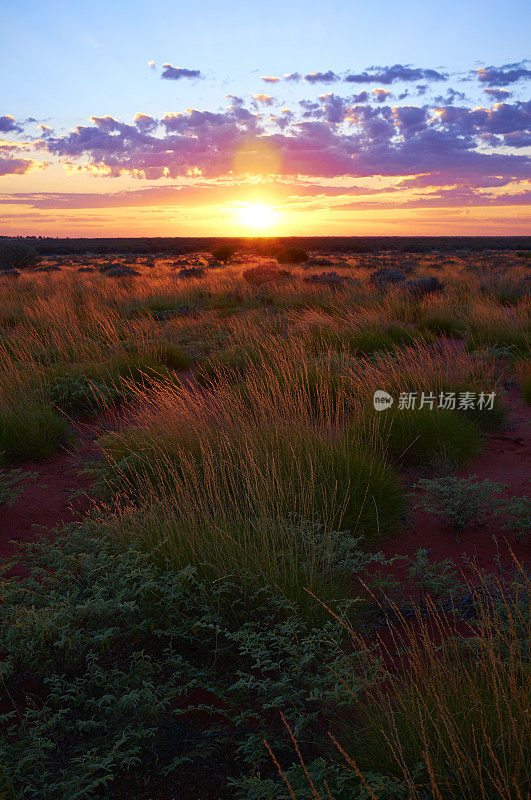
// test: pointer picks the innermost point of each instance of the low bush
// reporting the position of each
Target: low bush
(143, 676)
(363, 341)
(18, 255)
(223, 253)
(517, 516)
(90, 387)
(292, 255)
(12, 484)
(460, 502)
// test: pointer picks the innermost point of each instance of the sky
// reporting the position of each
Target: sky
(286, 118)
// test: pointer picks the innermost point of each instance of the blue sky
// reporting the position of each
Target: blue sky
(69, 60)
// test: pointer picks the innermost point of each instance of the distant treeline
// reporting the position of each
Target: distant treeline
(269, 246)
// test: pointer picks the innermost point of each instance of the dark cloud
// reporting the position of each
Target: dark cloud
(498, 94)
(322, 77)
(452, 96)
(8, 125)
(17, 166)
(381, 95)
(504, 75)
(502, 119)
(398, 72)
(176, 73)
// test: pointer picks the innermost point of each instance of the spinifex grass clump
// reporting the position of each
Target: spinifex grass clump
(492, 325)
(252, 478)
(31, 432)
(417, 437)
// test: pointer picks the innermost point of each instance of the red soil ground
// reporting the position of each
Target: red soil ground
(47, 502)
(506, 458)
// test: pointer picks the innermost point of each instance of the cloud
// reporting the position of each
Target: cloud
(176, 73)
(269, 78)
(19, 166)
(398, 72)
(322, 77)
(151, 64)
(498, 94)
(263, 99)
(381, 95)
(145, 123)
(504, 75)
(8, 125)
(215, 193)
(328, 139)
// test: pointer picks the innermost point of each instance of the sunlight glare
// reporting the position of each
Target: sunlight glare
(256, 215)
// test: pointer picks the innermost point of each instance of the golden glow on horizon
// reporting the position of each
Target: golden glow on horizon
(256, 215)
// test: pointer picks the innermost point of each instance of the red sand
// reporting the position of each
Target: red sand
(505, 459)
(46, 502)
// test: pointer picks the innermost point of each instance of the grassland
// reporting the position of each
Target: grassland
(228, 620)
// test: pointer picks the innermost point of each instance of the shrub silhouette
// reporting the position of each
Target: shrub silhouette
(18, 255)
(292, 255)
(223, 253)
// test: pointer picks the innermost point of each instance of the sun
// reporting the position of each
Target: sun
(256, 215)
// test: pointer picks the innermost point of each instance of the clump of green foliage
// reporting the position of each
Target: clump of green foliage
(223, 253)
(12, 484)
(517, 513)
(140, 672)
(460, 502)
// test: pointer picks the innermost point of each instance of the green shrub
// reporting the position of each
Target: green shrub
(12, 484)
(443, 325)
(29, 432)
(460, 502)
(526, 387)
(418, 436)
(228, 365)
(80, 388)
(517, 516)
(515, 339)
(89, 387)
